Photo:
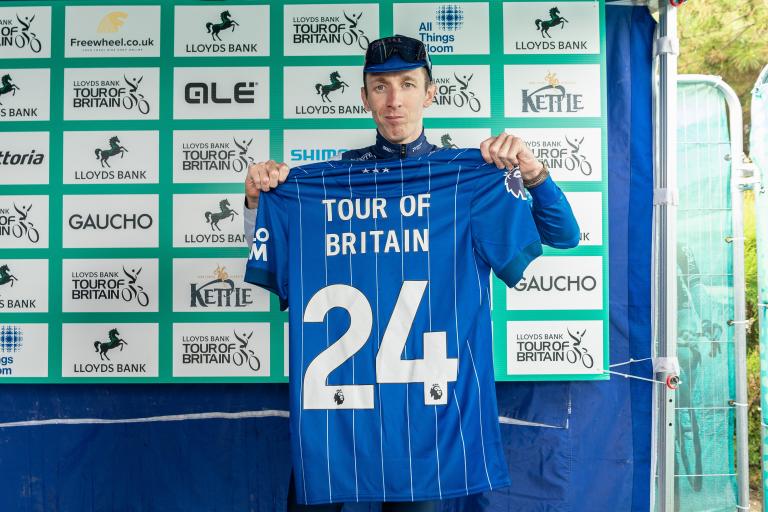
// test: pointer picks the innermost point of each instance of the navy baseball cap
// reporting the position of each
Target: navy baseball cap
(396, 53)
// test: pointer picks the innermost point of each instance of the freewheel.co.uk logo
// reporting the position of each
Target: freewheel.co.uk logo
(95, 31)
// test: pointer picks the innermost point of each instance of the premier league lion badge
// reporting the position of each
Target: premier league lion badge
(513, 181)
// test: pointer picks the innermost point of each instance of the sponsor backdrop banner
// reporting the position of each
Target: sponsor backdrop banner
(127, 129)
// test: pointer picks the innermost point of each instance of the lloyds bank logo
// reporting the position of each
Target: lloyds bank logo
(325, 89)
(555, 20)
(225, 24)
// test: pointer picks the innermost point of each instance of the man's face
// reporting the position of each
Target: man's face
(397, 100)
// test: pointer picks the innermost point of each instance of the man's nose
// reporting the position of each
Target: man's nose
(394, 97)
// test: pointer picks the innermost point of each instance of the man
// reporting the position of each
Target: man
(397, 87)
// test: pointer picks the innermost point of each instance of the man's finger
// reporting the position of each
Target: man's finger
(484, 149)
(494, 150)
(505, 153)
(283, 174)
(273, 175)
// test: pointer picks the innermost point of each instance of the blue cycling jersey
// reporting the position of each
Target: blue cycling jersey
(384, 264)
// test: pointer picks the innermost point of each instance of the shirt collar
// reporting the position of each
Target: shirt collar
(386, 149)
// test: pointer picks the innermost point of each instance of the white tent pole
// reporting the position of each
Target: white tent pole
(665, 255)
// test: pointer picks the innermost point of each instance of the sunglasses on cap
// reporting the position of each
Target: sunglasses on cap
(409, 49)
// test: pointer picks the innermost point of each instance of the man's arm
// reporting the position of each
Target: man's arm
(262, 177)
(249, 222)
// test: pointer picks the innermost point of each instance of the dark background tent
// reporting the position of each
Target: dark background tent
(592, 454)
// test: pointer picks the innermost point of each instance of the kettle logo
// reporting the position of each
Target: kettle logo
(112, 22)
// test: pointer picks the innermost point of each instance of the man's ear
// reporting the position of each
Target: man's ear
(365, 99)
(431, 92)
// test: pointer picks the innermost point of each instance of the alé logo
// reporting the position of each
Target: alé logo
(115, 148)
(7, 86)
(226, 23)
(21, 35)
(325, 89)
(114, 341)
(225, 212)
(551, 98)
(457, 92)
(555, 20)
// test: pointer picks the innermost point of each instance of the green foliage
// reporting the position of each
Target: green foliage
(726, 38)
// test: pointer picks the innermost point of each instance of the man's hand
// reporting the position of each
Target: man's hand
(507, 151)
(262, 177)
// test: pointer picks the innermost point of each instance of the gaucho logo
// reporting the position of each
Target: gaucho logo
(118, 221)
(18, 225)
(560, 283)
(217, 156)
(201, 92)
(551, 98)
(109, 285)
(219, 292)
(110, 94)
(19, 36)
(329, 29)
(457, 92)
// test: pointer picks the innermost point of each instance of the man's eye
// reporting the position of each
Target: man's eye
(408, 84)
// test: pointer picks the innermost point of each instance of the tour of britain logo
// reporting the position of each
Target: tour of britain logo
(111, 31)
(213, 285)
(559, 28)
(212, 350)
(24, 158)
(207, 220)
(24, 221)
(445, 28)
(237, 30)
(321, 92)
(23, 285)
(555, 347)
(105, 350)
(559, 283)
(111, 157)
(110, 285)
(563, 90)
(24, 94)
(343, 29)
(217, 156)
(25, 32)
(462, 91)
(571, 154)
(111, 93)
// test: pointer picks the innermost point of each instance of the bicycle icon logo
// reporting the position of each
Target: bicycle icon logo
(134, 98)
(23, 227)
(576, 160)
(133, 290)
(246, 355)
(577, 352)
(354, 34)
(465, 97)
(243, 159)
(27, 38)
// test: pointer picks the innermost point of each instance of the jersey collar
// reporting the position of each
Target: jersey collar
(386, 149)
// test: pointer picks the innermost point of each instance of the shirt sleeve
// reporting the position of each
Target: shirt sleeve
(553, 216)
(267, 264)
(503, 231)
(249, 222)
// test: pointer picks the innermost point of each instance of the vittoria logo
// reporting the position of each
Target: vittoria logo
(31, 158)
(552, 97)
(19, 34)
(24, 158)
